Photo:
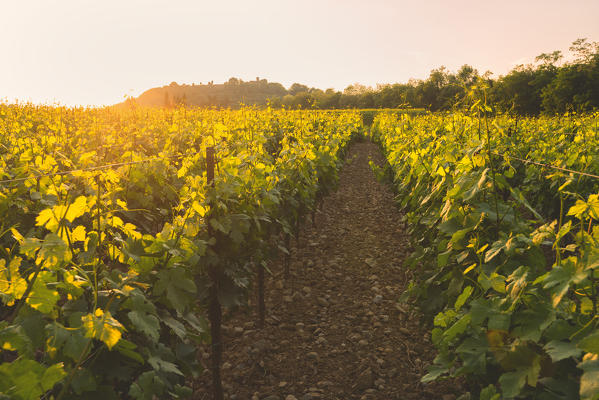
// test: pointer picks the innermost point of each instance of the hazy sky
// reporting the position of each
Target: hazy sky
(95, 52)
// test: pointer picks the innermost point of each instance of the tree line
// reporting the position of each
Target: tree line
(550, 85)
(554, 83)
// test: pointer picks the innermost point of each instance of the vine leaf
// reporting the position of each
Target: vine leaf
(103, 327)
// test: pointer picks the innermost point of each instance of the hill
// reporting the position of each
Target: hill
(232, 94)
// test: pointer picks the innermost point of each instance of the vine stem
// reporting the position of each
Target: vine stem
(214, 307)
(493, 173)
(558, 255)
(261, 304)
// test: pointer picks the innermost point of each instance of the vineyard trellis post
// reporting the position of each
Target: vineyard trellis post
(261, 303)
(214, 306)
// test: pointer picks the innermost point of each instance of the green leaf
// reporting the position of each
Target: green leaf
(103, 327)
(27, 385)
(563, 231)
(512, 383)
(589, 381)
(593, 204)
(139, 302)
(457, 328)
(30, 246)
(165, 366)
(78, 234)
(457, 239)
(12, 284)
(53, 252)
(590, 343)
(27, 379)
(494, 250)
(53, 375)
(582, 208)
(434, 372)
(48, 218)
(84, 381)
(181, 392)
(13, 338)
(500, 321)
(443, 319)
(529, 324)
(217, 225)
(41, 298)
(473, 353)
(497, 282)
(463, 297)
(559, 279)
(475, 186)
(480, 310)
(443, 258)
(178, 287)
(198, 323)
(147, 387)
(76, 208)
(198, 208)
(177, 327)
(75, 345)
(127, 348)
(559, 350)
(145, 323)
(489, 393)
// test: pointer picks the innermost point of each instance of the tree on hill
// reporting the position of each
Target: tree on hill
(298, 88)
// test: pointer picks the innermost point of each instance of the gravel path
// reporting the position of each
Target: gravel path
(335, 329)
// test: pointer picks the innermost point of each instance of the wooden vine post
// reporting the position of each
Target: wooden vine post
(214, 307)
(287, 254)
(261, 304)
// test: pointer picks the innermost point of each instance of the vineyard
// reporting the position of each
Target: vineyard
(502, 216)
(126, 234)
(117, 247)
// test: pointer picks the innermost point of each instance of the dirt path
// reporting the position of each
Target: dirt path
(335, 330)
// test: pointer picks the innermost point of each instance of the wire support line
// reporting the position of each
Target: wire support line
(527, 161)
(97, 168)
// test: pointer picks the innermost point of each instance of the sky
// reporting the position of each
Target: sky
(83, 52)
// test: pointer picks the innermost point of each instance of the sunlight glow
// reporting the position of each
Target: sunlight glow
(96, 52)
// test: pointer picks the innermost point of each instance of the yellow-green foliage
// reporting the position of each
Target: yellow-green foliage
(506, 251)
(105, 241)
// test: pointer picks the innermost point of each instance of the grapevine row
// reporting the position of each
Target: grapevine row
(505, 253)
(106, 275)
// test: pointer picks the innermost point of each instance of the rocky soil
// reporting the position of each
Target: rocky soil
(335, 329)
